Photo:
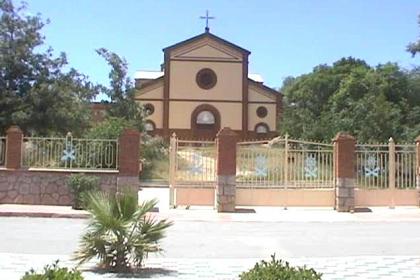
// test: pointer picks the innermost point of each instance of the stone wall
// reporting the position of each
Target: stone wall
(43, 188)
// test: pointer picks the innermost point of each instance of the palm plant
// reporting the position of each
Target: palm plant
(120, 233)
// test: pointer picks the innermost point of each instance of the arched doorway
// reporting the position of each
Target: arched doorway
(205, 122)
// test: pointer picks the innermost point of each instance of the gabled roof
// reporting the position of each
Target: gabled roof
(208, 35)
(260, 85)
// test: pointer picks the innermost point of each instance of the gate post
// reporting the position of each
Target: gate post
(14, 139)
(172, 170)
(391, 171)
(129, 160)
(226, 170)
(344, 171)
(418, 169)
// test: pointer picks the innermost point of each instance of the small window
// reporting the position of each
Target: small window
(206, 78)
(205, 117)
(261, 128)
(149, 126)
(261, 112)
(149, 109)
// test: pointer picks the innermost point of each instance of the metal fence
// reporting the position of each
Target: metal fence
(192, 163)
(2, 150)
(384, 166)
(285, 163)
(70, 153)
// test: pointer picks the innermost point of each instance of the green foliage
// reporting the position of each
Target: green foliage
(414, 47)
(79, 185)
(36, 93)
(120, 233)
(154, 156)
(279, 270)
(53, 272)
(110, 128)
(122, 91)
(373, 104)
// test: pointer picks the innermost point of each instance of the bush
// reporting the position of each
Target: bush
(53, 272)
(79, 185)
(279, 270)
(120, 233)
(154, 156)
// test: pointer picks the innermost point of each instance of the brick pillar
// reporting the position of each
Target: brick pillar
(345, 175)
(418, 169)
(226, 170)
(129, 159)
(14, 137)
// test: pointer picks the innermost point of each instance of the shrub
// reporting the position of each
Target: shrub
(120, 233)
(154, 156)
(279, 270)
(53, 272)
(79, 185)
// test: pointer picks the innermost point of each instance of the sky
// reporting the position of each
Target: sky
(286, 38)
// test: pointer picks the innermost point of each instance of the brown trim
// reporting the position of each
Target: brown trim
(196, 100)
(207, 100)
(166, 95)
(244, 95)
(200, 130)
(204, 35)
(279, 109)
(262, 102)
(206, 60)
(198, 46)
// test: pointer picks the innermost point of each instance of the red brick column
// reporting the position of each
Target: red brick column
(129, 159)
(345, 172)
(14, 137)
(418, 169)
(226, 170)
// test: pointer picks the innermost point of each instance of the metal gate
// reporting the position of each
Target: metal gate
(285, 172)
(192, 175)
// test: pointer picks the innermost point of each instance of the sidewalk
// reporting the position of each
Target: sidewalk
(13, 266)
(243, 214)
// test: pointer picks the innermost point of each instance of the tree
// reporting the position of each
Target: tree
(414, 47)
(373, 104)
(36, 93)
(120, 233)
(122, 91)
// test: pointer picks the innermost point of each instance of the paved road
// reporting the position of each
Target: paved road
(223, 239)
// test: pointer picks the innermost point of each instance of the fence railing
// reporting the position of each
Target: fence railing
(405, 166)
(193, 163)
(285, 163)
(372, 162)
(385, 166)
(70, 153)
(2, 150)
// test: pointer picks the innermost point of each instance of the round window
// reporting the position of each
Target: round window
(261, 112)
(206, 78)
(149, 109)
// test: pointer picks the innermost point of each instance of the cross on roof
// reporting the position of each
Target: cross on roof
(207, 17)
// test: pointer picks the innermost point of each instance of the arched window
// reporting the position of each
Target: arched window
(261, 128)
(205, 117)
(205, 121)
(149, 126)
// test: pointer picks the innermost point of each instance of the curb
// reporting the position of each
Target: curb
(43, 215)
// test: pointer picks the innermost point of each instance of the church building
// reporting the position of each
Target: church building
(203, 86)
